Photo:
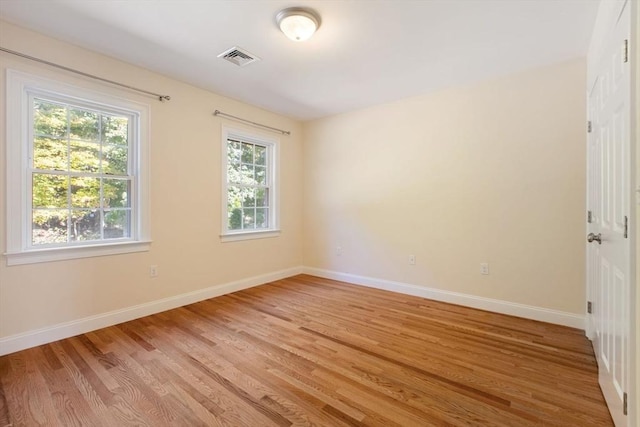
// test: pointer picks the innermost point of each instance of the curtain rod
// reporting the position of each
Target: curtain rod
(91, 76)
(240, 119)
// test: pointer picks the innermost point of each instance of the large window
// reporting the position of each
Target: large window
(80, 175)
(75, 170)
(250, 204)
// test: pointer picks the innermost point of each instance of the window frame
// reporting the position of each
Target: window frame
(272, 145)
(21, 89)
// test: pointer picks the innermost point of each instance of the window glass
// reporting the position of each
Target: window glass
(249, 204)
(77, 153)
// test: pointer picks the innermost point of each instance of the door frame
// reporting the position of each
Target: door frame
(634, 344)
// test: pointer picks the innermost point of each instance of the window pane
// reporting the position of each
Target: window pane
(234, 151)
(234, 198)
(233, 173)
(262, 218)
(115, 130)
(50, 191)
(83, 124)
(114, 160)
(49, 119)
(247, 173)
(247, 153)
(235, 218)
(248, 218)
(248, 198)
(85, 192)
(49, 226)
(262, 197)
(261, 155)
(50, 154)
(261, 175)
(85, 156)
(115, 193)
(117, 224)
(85, 225)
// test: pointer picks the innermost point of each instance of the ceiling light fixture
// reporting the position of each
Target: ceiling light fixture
(298, 23)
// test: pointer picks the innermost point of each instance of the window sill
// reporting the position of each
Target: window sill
(249, 235)
(59, 254)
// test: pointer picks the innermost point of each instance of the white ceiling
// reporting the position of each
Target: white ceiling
(366, 52)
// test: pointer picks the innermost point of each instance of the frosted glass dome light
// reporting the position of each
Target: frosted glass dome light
(297, 23)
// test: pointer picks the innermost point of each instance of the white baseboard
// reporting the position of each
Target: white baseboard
(49, 334)
(494, 305)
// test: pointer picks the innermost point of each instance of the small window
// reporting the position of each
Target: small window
(250, 204)
(77, 180)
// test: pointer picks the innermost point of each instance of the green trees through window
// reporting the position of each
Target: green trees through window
(247, 186)
(80, 174)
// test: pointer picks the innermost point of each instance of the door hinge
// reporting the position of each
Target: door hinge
(625, 403)
(625, 52)
(626, 227)
(589, 126)
(589, 307)
(589, 217)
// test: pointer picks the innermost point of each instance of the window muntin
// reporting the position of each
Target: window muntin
(249, 197)
(80, 173)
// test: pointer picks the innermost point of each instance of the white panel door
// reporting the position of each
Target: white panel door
(608, 198)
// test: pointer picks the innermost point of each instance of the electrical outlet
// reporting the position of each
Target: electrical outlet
(412, 260)
(484, 268)
(339, 250)
(153, 271)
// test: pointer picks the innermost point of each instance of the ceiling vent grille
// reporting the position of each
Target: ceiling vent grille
(238, 56)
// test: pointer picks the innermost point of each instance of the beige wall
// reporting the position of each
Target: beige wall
(493, 172)
(185, 201)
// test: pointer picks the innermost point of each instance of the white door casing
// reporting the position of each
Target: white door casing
(608, 201)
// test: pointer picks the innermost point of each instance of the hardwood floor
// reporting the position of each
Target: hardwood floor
(309, 351)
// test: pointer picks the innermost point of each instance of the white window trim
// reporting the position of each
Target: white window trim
(18, 110)
(227, 235)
